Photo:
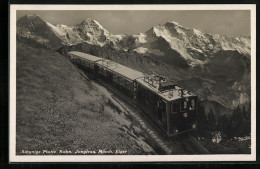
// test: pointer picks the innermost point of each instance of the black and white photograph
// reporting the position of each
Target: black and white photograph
(118, 83)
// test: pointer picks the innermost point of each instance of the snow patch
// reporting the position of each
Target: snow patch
(142, 50)
(174, 42)
(120, 37)
(141, 38)
(175, 23)
(56, 30)
(242, 138)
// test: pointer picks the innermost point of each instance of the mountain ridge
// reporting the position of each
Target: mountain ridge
(193, 45)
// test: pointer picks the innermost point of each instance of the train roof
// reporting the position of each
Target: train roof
(173, 93)
(85, 56)
(120, 69)
(166, 90)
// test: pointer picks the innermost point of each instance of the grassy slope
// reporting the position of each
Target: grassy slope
(57, 109)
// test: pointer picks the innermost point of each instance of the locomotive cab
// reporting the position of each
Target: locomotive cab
(182, 115)
(172, 108)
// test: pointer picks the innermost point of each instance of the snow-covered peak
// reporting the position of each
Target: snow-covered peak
(90, 25)
(172, 23)
(91, 22)
(193, 45)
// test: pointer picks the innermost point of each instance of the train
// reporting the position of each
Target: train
(174, 110)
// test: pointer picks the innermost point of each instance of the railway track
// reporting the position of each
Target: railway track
(181, 144)
(189, 144)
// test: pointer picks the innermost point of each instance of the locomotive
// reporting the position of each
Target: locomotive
(171, 108)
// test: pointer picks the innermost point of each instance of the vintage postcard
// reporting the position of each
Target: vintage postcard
(132, 83)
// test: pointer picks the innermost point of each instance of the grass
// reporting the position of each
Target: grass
(57, 109)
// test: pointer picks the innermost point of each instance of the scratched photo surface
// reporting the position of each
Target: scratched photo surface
(128, 82)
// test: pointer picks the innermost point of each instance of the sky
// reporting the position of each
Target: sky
(223, 22)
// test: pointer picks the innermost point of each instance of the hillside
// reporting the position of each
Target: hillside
(58, 109)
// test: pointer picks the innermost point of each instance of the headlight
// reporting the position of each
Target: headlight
(185, 115)
(175, 130)
(194, 126)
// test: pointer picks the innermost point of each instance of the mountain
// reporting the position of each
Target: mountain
(169, 41)
(194, 46)
(216, 67)
(34, 27)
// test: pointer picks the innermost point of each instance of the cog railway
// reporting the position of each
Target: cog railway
(171, 108)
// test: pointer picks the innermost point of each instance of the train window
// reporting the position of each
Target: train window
(115, 77)
(129, 85)
(101, 70)
(92, 65)
(126, 83)
(121, 80)
(108, 73)
(135, 86)
(183, 105)
(192, 104)
(174, 107)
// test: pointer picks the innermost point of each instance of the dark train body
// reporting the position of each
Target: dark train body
(173, 109)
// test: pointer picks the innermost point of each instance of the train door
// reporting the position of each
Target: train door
(162, 117)
(109, 76)
(96, 70)
(183, 115)
(135, 88)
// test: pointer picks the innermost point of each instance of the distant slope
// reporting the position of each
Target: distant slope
(57, 109)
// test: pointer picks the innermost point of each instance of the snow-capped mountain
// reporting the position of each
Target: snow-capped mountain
(190, 45)
(194, 46)
(33, 26)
